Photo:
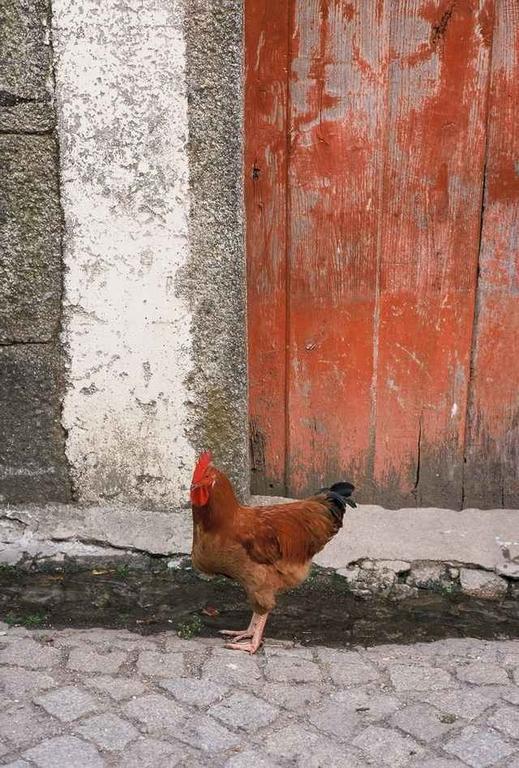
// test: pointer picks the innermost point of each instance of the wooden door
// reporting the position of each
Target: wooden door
(382, 204)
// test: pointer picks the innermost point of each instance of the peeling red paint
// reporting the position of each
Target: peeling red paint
(364, 234)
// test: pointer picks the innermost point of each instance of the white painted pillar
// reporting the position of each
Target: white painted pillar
(123, 128)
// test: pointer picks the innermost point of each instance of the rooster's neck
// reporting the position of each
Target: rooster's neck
(222, 507)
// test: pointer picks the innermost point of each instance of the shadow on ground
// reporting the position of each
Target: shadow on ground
(320, 612)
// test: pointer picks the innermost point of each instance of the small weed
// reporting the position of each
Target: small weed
(188, 629)
(123, 571)
(7, 568)
(446, 589)
(30, 620)
(448, 718)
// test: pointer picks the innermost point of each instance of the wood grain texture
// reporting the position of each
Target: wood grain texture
(492, 468)
(336, 121)
(433, 182)
(370, 336)
(266, 41)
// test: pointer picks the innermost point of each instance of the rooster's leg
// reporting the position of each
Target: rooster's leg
(257, 637)
(242, 634)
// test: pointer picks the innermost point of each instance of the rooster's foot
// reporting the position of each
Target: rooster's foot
(247, 647)
(240, 634)
(255, 631)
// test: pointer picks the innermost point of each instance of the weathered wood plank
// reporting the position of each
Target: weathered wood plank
(492, 452)
(429, 246)
(336, 121)
(266, 41)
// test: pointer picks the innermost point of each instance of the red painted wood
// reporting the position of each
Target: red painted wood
(433, 181)
(364, 230)
(492, 439)
(337, 107)
(266, 42)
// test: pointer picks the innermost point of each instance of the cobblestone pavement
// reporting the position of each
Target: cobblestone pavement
(92, 698)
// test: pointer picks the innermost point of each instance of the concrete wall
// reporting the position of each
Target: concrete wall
(148, 96)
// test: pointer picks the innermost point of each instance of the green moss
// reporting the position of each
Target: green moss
(29, 620)
(448, 589)
(190, 628)
(5, 568)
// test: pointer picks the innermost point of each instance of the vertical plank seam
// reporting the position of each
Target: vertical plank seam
(376, 310)
(288, 130)
(477, 296)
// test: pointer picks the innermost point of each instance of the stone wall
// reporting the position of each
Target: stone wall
(32, 457)
(144, 297)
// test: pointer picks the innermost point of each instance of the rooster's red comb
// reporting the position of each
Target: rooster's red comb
(201, 465)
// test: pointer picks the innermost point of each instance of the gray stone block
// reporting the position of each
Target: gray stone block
(348, 712)
(483, 674)
(26, 66)
(386, 746)
(481, 584)
(28, 653)
(32, 452)
(199, 693)
(202, 732)
(250, 758)
(118, 688)
(423, 722)
(478, 747)
(232, 668)
(242, 710)
(24, 724)
(412, 677)
(150, 753)
(30, 239)
(16, 681)
(65, 751)
(466, 703)
(293, 697)
(67, 704)
(87, 660)
(302, 747)
(157, 664)
(108, 731)
(292, 669)
(18, 764)
(506, 719)
(425, 575)
(157, 713)
(347, 668)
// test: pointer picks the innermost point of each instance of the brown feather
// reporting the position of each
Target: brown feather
(266, 549)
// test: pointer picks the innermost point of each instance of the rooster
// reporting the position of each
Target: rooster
(265, 549)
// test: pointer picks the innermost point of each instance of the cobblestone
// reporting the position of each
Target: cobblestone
(100, 699)
(419, 678)
(478, 747)
(483, 674)
(65, 751)
(108, 731)
(242, 710)
(67, 704)
(156, 664)
(88, 660)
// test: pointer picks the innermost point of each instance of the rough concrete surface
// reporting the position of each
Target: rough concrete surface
(123, 129)
(91, 698)
(480, 538)
(50, 530)
(470, 536)
(214, 281)
(26, 64)
(30, 236)
(32, 464)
